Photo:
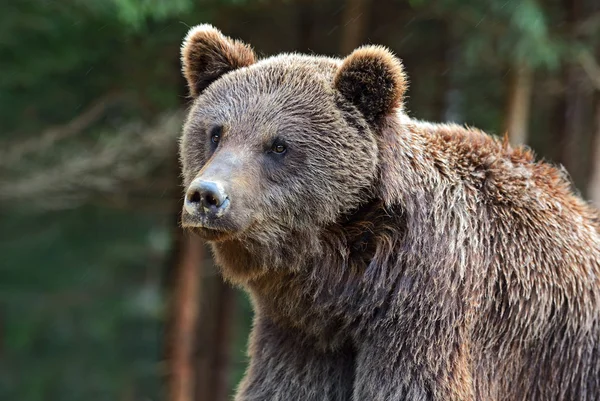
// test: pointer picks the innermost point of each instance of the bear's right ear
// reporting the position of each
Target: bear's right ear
(207, 54)
(373, 80)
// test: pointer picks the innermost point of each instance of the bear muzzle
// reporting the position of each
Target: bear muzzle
(217, 201)
(205, 209)
(206, 198)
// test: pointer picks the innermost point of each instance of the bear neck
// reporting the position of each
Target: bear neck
(315, 280)
(331, 282)
(320, 297)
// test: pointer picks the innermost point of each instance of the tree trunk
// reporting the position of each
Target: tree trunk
(573, 121)
(518, 104)
(183, 313)
(222, 347)
(594, 184)
(213, 354)
(183, 291)
(572, 113)
(354, 24)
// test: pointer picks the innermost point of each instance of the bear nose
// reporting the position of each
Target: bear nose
(204, 196)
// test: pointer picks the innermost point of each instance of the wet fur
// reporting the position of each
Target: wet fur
(458, 268)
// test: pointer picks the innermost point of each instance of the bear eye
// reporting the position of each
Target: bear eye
(278, 148)
(215, 134)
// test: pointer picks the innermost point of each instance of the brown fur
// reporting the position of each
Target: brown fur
(373, 80)
(206, 55)
(387, 258)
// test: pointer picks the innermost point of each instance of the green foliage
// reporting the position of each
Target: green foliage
(527, 38)
(71, 291)
(500, 31)
(81, 304)
(134, 12)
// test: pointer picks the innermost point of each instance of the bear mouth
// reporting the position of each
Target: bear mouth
(213, 228)
(208, 230)
(211, 234)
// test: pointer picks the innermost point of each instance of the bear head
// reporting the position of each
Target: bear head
(283, 146)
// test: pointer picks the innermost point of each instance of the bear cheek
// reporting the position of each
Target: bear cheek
(244, 204)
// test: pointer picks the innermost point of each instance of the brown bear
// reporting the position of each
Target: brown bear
(386, 258)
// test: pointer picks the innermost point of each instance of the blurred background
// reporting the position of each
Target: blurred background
(102, 297)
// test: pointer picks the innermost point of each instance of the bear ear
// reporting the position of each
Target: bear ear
(207, 54)
(372, 79)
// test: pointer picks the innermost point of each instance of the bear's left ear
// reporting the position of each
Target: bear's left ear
(207, 54)
(372, 79)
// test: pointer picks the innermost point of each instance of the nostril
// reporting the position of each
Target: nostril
(211, 200)
(194, 197)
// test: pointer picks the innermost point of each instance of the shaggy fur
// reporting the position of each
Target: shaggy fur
(387, 258)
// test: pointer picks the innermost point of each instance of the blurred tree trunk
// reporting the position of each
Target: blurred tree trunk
(594, 184)
(214, 340)
(227, 315)
(570, 113)
(183, 291)
(518, 104)
(206, 339)
(200, 318)
(184, 298)
(354, 24)
(573, 120)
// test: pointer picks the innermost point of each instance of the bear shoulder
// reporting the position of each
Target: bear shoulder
(502, 173)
